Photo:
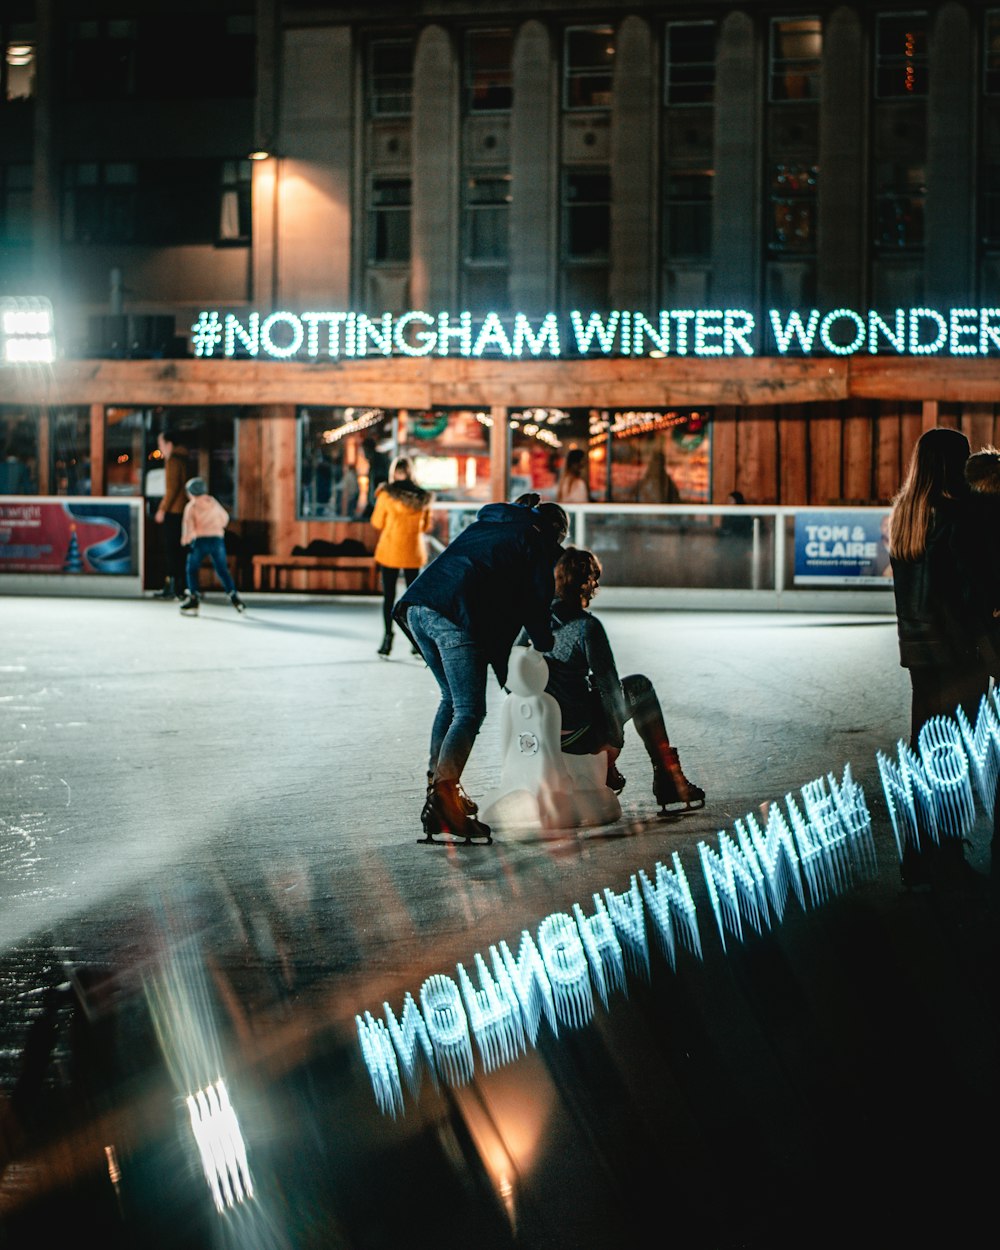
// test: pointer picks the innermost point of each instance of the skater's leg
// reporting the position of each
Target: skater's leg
(669, 783)
(216, 548)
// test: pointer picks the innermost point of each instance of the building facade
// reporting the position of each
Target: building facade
(683, 171)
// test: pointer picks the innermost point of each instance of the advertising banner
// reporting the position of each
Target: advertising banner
(63, 536)
(842, 547)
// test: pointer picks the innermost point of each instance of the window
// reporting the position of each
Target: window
(390, 77)
(796, 52)
(389, 220)
(99, 202)
(687, 222)
(234, 205)
(19, 64)
(69, 448)
(160, 203)
(588, 60)
(991, 53)
(488, 76)
(690, 76)
(990, 228)
(102, 56)
(217, 60)
(792, 209)
(18, 452)
(15, 204)
(899, 207)
(586, 215)
(900, 56)
(487, 212)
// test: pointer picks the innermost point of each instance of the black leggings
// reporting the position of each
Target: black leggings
(644, 712)
(389, 579)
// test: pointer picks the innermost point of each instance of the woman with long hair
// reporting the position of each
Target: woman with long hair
(932, 576)
(403, 513)
(595, 703)
(572, 484)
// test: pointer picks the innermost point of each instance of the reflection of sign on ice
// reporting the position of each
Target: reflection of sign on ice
(820, 849)
(842, 548)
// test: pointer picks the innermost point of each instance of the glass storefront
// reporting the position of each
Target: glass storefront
(133, 465)
(661, 456)
(344, 453)
(18, 451)
(69, 452)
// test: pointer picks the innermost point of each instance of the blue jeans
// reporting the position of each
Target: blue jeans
(215, 549)
(459, 667)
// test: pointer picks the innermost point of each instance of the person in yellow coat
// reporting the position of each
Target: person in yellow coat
(403, 513)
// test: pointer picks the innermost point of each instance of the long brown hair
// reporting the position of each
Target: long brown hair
(577, 574)
(574, 469)
(936, 472)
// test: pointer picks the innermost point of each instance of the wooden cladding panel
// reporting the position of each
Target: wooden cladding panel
(757, 454)
(858, 468)
(793, 454)
(825, 449)
(725, 467)
(889, 465)
(979, 424)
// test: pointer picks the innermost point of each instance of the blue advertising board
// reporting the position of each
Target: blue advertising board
(842, 547)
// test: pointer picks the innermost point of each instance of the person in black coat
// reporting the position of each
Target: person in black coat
(931, 568)
(464, 612)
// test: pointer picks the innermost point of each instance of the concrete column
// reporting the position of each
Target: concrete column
(950, 249)
(434, 237)
(312, 193)
(736, 208)
(842, 208)
(633, 164)
(533, 172)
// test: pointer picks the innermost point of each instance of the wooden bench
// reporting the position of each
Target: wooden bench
(269, 572)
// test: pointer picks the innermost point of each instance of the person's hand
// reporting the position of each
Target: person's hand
(160, 514)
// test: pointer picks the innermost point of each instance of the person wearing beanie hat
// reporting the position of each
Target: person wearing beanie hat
(203, 532)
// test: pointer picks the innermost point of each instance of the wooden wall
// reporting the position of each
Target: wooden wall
(855, 451)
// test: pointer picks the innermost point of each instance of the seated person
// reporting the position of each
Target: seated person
(594, 702)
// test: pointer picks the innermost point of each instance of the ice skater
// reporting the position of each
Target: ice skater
(403, 514)
(203, 532)
(464, 612)
(595, 703)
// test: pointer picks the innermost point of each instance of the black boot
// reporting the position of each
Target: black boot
(671, 786)
(445, 812)
(168, 590)
(386, 646)
(471, 807)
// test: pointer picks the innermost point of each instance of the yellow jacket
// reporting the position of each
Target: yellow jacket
(403, 513)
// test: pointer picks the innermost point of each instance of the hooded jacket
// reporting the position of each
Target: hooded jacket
(204, 517)
(403, 513)
(491, 580)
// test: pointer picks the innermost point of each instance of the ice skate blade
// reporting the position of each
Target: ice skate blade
(441, 838)
(680, 806)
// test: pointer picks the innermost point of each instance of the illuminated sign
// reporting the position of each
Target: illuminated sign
(817, 847)
(27, 332)
(701, 332)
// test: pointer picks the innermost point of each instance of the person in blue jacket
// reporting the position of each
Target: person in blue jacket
(463, 612)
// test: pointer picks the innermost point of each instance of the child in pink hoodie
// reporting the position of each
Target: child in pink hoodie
(203, 531)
